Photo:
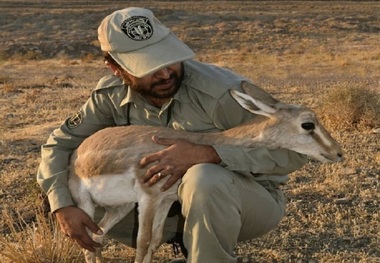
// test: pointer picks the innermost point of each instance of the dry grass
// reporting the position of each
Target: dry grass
(348, 107)
(322, 54)
(36, 242)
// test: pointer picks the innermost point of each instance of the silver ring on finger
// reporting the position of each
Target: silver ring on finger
(159, 174)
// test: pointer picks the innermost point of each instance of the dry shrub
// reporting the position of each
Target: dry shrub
(28, 55)
(7, 88)
(38, 242)
(88, 58)
(346, 107)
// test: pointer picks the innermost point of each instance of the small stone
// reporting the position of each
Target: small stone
(341, 201)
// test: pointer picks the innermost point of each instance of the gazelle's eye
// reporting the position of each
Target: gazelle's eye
(308, 126)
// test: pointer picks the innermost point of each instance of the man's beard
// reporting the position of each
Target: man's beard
(152, 92)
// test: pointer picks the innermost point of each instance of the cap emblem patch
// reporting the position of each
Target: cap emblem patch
(137, 28)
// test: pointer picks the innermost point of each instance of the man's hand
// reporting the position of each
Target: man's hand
(73, 222)
(174, 160)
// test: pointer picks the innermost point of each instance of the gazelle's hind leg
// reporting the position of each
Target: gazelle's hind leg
(112, 216)
(84, 202)
(160, 216)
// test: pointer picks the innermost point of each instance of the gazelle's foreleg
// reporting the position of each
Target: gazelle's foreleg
(144, 236)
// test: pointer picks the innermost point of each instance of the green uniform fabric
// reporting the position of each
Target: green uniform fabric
(222, 207)
(202, 103)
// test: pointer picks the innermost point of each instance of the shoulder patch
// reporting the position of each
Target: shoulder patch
(75, 120)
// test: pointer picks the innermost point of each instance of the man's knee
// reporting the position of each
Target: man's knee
(202, 181)
(201, 177)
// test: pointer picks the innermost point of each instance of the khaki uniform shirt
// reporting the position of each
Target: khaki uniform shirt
(202, 103)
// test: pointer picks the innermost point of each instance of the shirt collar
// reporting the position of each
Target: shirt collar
(131, 96)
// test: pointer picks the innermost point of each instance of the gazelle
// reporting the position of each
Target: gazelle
(104, 169)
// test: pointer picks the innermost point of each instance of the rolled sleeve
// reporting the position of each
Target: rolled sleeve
(58, 193)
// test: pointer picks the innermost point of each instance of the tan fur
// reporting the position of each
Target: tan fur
(112, 150)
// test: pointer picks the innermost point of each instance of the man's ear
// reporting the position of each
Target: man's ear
(113, 68)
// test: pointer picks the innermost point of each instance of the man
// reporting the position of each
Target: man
(228, 194)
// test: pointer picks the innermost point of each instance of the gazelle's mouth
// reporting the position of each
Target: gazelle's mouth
(332, 160)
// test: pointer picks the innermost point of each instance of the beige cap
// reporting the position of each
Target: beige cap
(139, 42)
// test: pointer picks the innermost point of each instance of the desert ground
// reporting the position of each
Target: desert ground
(300, 51)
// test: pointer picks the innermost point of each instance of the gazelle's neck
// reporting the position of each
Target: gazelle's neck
(244, 134)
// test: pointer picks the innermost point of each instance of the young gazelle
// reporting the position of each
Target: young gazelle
(104, 170)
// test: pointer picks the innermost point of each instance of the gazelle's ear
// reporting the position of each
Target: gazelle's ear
(258, 93)
(253, 105)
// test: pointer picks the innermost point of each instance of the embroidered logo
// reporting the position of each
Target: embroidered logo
(75, 120)
(137, 28)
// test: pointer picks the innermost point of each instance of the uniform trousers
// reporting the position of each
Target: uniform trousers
(219, 209)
